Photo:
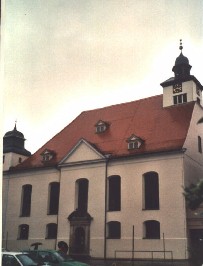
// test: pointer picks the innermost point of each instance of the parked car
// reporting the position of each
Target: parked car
(17, 259)
(52, 257)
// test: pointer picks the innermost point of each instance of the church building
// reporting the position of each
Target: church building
(110, 184)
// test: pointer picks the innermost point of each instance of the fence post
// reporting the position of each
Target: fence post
(164, 246)
(133, 245)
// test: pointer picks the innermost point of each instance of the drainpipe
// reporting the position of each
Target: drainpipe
(4, 221)
(57, 218)
(106, 199)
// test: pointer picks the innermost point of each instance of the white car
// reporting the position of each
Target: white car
(16, 259)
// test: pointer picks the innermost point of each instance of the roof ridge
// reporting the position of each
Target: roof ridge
(117, 104)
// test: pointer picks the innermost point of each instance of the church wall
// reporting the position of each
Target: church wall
(38, 218)
(12, 159)
(194, 157)
(95, 174)
(172, 205)
(169, 169)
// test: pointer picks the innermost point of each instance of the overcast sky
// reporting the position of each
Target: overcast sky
(62, 57)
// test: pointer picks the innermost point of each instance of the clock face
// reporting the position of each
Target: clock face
(177, 87)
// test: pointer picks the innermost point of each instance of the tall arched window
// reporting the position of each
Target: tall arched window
(151, 229)
(54, 190)
(82, 194)
(114, 230)
(51, 231)
(26, 200)
(23, 231)
(151, 191)
(114, 193)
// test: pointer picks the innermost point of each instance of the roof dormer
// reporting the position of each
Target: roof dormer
(134, 142)
(101, 126)
(47, 155)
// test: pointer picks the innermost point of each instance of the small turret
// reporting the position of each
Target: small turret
(13, 148)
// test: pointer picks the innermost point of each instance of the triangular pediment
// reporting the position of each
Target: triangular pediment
(82, 151)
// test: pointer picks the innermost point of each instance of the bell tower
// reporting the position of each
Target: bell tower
(183, 87)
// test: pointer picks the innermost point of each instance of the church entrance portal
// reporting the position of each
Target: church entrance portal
(79, 245)
(79, 240)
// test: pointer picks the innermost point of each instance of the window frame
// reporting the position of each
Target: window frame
(21, 234)
(151, 229)
(114, 193)
(82, 191)
(26, 200)
(51, 233)
(114, 230)
(180, 98)
(151, 197)
(53, 202)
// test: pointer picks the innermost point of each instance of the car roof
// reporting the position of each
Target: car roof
(36, 250)
(13, 252)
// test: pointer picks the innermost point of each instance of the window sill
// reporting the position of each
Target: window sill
(151, 209)
(113, 238)
(144, 238)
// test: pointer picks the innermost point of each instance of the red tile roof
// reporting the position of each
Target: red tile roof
(161, 129)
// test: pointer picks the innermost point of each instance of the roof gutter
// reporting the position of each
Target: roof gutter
(113, 157)
(105, 207)
(140, 155)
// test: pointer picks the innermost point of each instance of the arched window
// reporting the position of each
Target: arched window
(82, 194)
(54, 190)
(51, 231)
(26, 200)
(151, 191)
(152, 229)
(114, 230)
(23, 231)
(114, 193)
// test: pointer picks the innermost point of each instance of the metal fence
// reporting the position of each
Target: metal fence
(151, 254)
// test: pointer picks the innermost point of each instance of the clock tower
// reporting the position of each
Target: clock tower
(183, 87)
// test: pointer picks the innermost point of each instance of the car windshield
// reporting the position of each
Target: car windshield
(25, 260)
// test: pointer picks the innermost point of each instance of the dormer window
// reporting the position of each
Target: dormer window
(134, 142)
(47, 155)
(101, 126)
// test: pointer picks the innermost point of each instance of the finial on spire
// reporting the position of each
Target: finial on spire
(181, 46)
(15, 125)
